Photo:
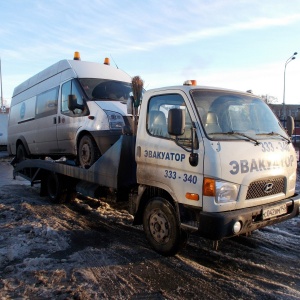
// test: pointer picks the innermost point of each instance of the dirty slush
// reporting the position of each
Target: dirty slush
(88, 249)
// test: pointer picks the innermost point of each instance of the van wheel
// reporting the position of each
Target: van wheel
(162, 227)
(56, 189)
(88, 151)
(21, 153)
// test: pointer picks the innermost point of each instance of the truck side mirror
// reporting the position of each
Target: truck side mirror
(290, 125)
(176, 121)
(72, 103)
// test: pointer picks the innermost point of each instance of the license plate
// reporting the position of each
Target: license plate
(274, 211)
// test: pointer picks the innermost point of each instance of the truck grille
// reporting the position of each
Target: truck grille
(266, 187)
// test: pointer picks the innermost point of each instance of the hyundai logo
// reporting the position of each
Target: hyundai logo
(268, 187)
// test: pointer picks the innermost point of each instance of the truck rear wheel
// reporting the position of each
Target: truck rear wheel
(162, 227)
(56, 189)
(88, 151)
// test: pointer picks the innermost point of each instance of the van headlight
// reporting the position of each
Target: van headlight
(115, 120)
(226, 191)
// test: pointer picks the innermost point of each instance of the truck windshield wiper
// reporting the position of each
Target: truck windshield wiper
(239, 133)
(275, 133)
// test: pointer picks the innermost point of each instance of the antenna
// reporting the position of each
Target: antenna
(114, 61)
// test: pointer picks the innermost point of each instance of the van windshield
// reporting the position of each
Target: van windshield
(228, 115)
(105, 89)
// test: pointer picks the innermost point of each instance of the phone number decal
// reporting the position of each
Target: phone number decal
(269, 147)
(185, 177)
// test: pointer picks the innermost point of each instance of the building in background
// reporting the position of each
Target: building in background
(291, 110)
(3, 128)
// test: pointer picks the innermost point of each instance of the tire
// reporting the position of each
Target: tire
(21, 153)
(88, 151)
(162, 227)
(56, 188)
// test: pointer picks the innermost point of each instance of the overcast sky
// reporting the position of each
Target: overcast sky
(238, 44)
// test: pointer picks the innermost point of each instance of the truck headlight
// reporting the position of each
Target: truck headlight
(226, 191)
(115, 120)
(223, 191)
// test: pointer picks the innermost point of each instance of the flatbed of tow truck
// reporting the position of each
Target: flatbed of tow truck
(115, 169)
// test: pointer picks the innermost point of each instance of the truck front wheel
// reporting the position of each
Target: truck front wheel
(162, 227)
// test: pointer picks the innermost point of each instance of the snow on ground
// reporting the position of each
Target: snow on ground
(89, 250)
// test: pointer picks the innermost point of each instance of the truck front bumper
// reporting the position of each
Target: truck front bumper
(217, 226)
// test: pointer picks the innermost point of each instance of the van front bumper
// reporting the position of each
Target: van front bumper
(217, 226)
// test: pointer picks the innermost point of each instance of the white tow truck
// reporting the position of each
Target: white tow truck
(202, 159)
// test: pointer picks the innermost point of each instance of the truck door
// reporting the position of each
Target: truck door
(69, 122)
(46, 121)
(163, 160)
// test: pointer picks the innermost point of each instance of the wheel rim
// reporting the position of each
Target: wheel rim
(159, 226)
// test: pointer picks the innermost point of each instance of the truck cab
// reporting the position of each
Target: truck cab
(229, 169)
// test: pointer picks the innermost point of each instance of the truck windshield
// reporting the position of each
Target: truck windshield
(230, 116)
(104, 89)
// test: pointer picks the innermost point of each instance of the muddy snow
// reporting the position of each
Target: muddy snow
(88, 249)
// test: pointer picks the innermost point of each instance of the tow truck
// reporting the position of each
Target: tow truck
(211, 161)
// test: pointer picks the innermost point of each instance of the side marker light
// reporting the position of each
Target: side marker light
(192, 196)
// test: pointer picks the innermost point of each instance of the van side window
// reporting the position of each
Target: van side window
(46, 103)
(157, 117)
(68, 88)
